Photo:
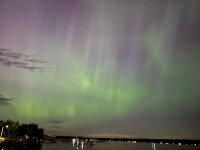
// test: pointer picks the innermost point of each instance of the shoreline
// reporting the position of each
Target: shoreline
(135, 140)
(53, 139)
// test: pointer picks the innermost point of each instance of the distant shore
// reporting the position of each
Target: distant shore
(135, 140)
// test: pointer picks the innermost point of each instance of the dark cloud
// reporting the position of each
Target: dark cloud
(9, 53)
(4, 100)
(31, 68)
(54, 121)
(34, 60)
(18, 60)
(56, 127)
(7, 62)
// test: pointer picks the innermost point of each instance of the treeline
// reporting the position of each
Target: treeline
(14, 130)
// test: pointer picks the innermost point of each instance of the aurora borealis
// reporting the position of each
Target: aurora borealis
(102, 67)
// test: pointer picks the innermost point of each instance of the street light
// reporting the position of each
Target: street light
(2, 129)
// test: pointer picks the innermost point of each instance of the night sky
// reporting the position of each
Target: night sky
(125, 68)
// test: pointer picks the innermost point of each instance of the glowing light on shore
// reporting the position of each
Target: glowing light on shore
(73, 141)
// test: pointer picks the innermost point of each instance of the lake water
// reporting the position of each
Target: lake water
(102, 146)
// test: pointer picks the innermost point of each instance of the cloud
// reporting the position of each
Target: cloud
(7, 62)
(54, 121)
(4, 100)
(18, 60)
(56, 127)
(9, 53)
(34, 60)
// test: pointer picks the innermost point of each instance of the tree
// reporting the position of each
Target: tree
(12, 128)
(15, 130)
(22, 130)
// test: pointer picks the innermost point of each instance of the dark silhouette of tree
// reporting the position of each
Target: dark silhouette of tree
(12, 128)
(22, 130)
(15, 130)
(30, 131)
(1, 123)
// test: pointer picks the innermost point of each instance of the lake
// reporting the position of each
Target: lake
(59, 145)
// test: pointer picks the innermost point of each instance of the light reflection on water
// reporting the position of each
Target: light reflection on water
(59, 145)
